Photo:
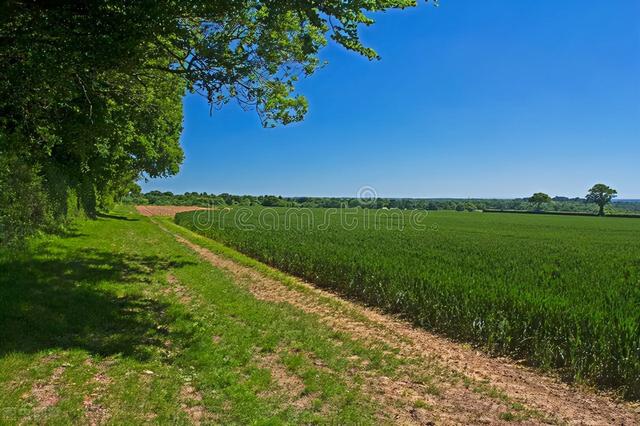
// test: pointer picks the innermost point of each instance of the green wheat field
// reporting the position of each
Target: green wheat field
(561, 293)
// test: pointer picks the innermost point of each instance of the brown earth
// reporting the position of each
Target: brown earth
(95, 413)
(472, 388)
(165, 210)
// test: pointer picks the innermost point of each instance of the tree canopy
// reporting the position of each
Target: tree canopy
(91, 92)
(539, 198)
(601, 195)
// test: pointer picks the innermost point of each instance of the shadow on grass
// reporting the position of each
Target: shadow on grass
(70, 230)
(85, 299)
(117, 217)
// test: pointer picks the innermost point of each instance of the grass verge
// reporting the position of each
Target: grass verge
(117, 322)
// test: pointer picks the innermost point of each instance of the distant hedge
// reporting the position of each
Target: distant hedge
(634, 216)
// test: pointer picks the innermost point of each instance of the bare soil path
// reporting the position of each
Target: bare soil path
(165, 210)
(470, 388)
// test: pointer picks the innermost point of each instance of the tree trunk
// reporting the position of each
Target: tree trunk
(601, 212)
(87, 197)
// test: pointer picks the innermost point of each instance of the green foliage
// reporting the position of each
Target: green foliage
(560, 204)
(93, 90)
(539, 198)
(22, 201)
(601, 195)
(469, 206)
(561, 292)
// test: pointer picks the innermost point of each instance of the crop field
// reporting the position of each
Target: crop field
(561, 293)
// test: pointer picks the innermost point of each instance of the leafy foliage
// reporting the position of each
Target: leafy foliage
(539, 198)
(601, 195)
(21, 197)
(90, 93)
(203, 199)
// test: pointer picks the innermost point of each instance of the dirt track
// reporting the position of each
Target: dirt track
(165, 210)
(545, 398)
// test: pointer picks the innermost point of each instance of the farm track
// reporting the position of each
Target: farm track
(169, 211)
(473, 388)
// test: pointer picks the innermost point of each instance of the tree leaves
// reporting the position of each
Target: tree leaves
(601, 195)
(93, 89)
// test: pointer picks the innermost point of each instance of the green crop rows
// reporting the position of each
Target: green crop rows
(560, 292)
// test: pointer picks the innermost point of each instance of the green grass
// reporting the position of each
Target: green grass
(88, 318)
(560, 292)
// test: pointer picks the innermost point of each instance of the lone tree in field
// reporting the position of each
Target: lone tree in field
(601, 195)
(539, 198)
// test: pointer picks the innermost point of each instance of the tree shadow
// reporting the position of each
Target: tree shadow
(117, 217)
(70, 230)
(76, 300)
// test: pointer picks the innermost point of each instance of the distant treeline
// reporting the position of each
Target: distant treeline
(558, 204)
(611, 212)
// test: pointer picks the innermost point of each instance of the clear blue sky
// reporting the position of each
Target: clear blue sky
(471, 99)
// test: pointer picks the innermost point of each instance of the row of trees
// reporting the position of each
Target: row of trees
(91, 91)
(599, 194)
(539, 201)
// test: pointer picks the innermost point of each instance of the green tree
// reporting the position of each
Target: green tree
(90, 92)
(601, 195)
(539, 198)
(469, 206)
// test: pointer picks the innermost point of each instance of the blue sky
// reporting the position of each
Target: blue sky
(471, 99)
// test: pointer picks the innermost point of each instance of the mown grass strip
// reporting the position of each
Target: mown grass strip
(92, 327)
